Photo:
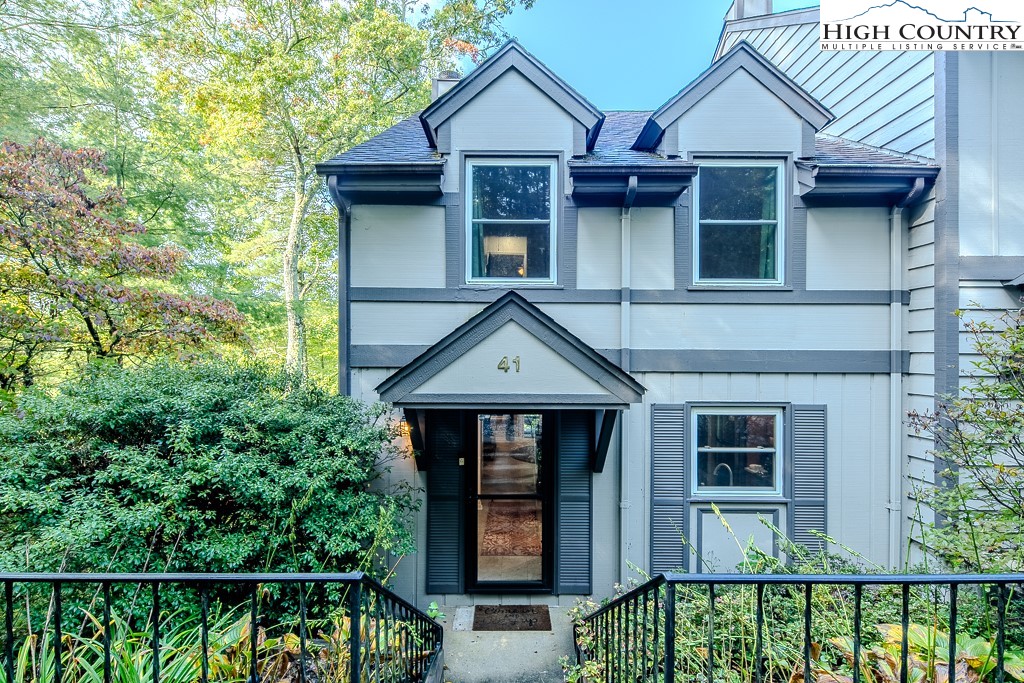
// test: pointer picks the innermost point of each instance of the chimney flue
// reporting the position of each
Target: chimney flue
(743, 9)
(445, 81)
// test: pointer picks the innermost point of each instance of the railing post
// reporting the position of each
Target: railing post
(670, 633)
(355, 600)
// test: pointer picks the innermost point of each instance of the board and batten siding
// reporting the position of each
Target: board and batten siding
(721, 120)
(599, 248)
(848, 248)
(857, 87)
(991, 154)
(397, 246)
(857, 444)
(510, 114)
(781, 327)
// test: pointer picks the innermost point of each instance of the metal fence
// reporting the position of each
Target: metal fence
(307, 628)
(710, 628)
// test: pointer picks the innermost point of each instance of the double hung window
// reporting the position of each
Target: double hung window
(739, 235)
(511, 220)
(736, 450)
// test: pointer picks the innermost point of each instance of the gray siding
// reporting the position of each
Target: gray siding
(919, 382)
(857, 87)
(991, 154)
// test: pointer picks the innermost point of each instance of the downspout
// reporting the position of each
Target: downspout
(625, 342)
(344, 288)
(895, 505)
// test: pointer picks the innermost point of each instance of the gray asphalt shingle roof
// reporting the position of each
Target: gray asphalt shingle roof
(405, 142)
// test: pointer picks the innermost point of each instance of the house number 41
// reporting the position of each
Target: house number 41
(503, 364)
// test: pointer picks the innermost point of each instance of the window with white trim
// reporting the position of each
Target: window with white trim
(736, 450)
(739, 236)
(511, 220)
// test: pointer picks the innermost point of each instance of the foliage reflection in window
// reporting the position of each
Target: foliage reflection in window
(739, 232)
(737, 450)
(511, 220)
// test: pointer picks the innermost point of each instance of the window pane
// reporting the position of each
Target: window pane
(737, 252)
(725, 470)
(735, 431)
(737, 193)
(515, 192)
(503, 250)
(736, 469)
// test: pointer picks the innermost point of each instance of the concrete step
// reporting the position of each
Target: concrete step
(504, 656)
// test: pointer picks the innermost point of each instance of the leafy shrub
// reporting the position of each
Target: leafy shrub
(209, 467)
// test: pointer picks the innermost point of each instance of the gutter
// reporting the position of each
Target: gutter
(625, 342)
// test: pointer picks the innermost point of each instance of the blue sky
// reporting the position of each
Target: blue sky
(633, 54)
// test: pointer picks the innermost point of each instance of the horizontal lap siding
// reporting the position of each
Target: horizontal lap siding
(919, 383)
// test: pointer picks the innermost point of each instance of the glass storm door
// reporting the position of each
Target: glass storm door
(507, 501)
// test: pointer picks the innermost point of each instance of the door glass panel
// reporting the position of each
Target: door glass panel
(509, 540)
(510, 508)
(510, 454)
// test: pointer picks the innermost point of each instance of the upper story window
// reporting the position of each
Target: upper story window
(740, 232)
(511, 219)
(737, 450)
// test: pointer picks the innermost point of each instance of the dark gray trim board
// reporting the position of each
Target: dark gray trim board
(693, 360)
(695, 295)
(999, 268)
(947, 240)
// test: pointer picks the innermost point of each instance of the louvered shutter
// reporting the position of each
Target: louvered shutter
(668, 489)
(574, 539)
(809, 476)
(444, 502)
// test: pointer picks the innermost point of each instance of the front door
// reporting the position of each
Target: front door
(509, 502)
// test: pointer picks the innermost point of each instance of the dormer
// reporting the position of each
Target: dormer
(742, 105)
(512, 102)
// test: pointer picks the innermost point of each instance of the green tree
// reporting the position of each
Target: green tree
(74, 279)
(282, 84)
(980, 435)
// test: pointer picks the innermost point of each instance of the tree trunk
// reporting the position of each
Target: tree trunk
(295, 352)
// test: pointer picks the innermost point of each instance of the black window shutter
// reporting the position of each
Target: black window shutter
(573, 533)
(444, 502)
(808, 513)
(668, 489)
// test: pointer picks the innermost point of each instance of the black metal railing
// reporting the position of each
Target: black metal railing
(697, 628)
(183, 628)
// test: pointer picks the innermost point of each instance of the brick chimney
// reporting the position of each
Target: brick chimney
(744, 9)
(445, 81)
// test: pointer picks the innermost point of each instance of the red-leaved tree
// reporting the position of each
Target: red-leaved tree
(74, 279)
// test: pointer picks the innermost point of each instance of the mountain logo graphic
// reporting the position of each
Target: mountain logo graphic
(902, 11)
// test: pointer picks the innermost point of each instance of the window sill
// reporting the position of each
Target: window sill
(728, 498)
(510, 284)
(744, 287)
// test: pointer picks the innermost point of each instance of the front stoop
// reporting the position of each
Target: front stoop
(504, 656)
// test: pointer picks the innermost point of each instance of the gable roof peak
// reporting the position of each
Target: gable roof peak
(512, 56)
(742, 57)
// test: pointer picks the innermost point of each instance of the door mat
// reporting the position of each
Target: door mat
(511, 618)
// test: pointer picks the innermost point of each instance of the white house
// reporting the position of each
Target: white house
(598, 324)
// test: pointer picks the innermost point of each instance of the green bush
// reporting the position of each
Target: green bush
(210, 467)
